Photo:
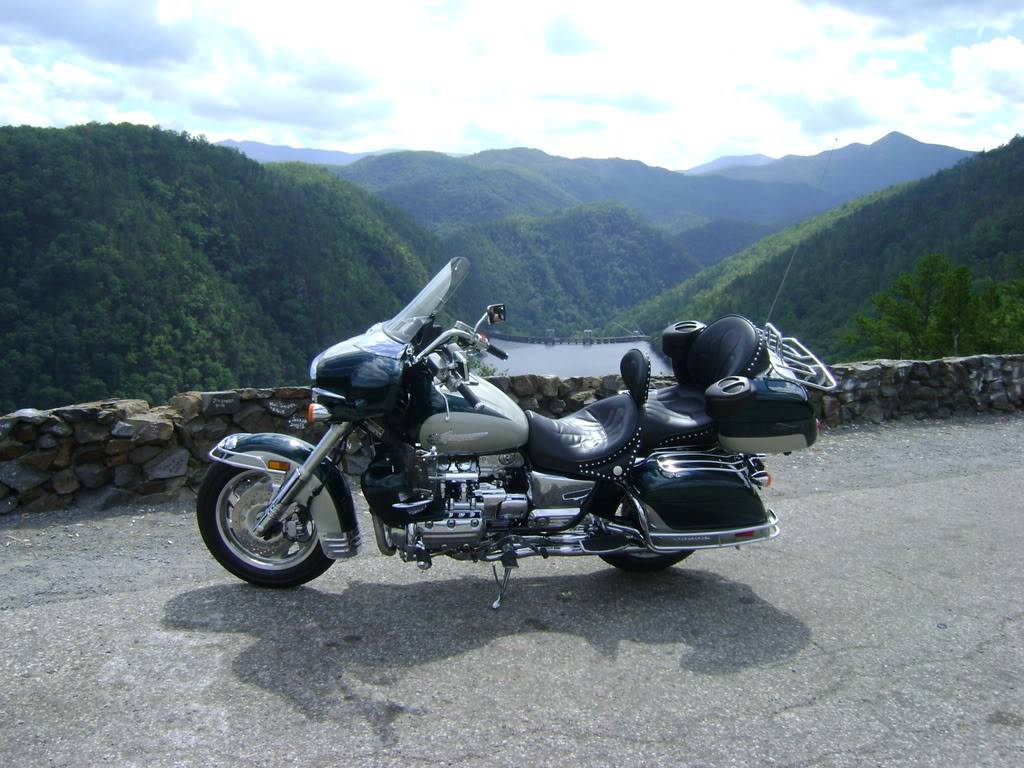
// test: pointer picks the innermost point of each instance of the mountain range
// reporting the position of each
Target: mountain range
(444, 193)
(730, 161)
(275, 153)
(856, 169)
(139, 262)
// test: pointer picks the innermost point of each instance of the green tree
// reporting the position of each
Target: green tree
(936, 310)
(905, 323)
(957, 311)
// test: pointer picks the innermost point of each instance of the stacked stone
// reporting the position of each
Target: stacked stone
(114, 452)
(881, 390)
(99, 453)
(105, 454)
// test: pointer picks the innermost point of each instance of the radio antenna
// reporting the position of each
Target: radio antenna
(796, 249)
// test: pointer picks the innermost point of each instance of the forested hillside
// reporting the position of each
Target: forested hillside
(445, 193)
(712, 242)
(576, 269)
(140, 262)
(972, 213)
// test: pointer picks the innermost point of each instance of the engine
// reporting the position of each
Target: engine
(430, 503)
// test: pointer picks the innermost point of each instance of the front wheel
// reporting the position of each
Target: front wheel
(645, 562)
(229, 500)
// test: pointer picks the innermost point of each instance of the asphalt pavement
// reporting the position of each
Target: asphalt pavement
(883, 627)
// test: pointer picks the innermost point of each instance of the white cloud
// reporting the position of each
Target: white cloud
(996, 66)
(670, 84)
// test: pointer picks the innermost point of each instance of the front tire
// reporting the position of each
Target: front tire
(229, 499)
(645, 562)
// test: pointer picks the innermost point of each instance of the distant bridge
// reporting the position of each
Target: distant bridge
(586, 337)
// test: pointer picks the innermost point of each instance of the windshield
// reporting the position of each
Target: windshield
(407, 323)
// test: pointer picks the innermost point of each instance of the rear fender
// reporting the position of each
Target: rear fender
(332, 509)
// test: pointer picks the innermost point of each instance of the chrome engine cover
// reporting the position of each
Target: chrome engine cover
(476, 501)
(472, 493)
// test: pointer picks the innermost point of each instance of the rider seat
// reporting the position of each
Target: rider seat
(600, 440)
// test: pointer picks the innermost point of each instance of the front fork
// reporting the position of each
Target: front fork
(268, 520)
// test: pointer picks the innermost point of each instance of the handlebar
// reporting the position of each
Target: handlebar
(442, 339)
(498, 353)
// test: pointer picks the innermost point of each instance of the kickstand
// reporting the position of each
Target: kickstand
(508, 562)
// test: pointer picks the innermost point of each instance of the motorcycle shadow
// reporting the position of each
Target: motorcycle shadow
(313, 646)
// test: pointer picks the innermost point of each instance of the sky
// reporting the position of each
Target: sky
(673, 84)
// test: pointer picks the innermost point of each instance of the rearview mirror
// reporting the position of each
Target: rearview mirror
(496, 313)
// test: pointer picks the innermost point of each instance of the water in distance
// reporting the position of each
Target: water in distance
(566, 360)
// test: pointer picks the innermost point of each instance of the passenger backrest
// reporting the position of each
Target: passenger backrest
(636, 373)
(731, 346)
(676, 341)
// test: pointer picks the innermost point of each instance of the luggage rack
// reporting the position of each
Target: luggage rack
(795, 362)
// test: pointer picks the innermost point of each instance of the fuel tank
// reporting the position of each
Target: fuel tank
(497, 425)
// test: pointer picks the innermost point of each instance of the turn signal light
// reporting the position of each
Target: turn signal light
(316, 412)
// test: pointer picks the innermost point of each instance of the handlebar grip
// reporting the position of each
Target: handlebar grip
(497, 352)
(467, 392)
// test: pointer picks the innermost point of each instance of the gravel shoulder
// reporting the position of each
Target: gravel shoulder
(883, 627)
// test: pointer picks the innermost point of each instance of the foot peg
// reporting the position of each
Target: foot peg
(508, 562)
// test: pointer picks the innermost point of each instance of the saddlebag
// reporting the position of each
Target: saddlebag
(698, 491)
(761, 415)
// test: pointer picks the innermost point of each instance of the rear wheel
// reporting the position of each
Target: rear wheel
(229, 500)
(645, 562)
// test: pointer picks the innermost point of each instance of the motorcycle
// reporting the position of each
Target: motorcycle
(641, 479)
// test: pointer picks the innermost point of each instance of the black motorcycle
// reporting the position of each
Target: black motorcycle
(641, 479)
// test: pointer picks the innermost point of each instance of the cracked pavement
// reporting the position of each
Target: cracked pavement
(883, 627)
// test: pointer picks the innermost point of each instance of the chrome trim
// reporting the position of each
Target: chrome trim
(316, 391)
(677, 463)
(551, 517)
(413, 507)
(241, 460)
(341, 545)
(553, 491)
(719, 539)
(380, 534)
(793, 361)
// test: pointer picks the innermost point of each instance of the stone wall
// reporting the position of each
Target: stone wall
(105, 454)
(883, 390)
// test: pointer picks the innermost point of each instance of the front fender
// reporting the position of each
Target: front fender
(333, 511)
